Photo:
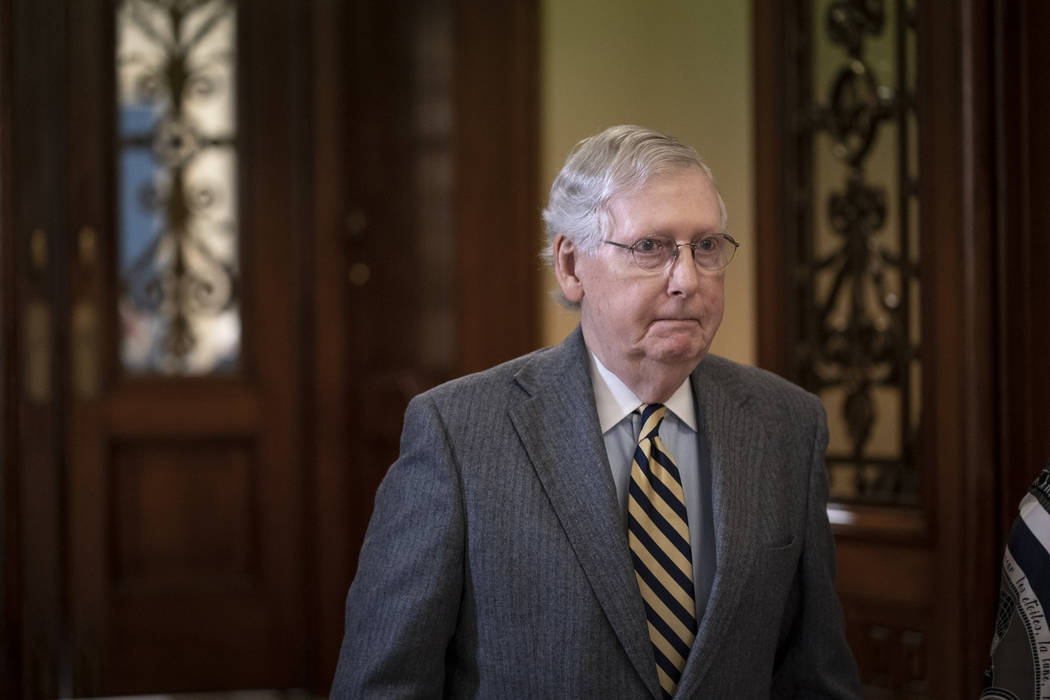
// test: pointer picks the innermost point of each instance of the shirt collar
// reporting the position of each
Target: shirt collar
(615, 401)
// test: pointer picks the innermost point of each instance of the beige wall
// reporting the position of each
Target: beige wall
(679, 66)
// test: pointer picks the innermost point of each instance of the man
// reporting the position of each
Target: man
(621, 516)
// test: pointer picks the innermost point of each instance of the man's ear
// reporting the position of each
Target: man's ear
(566, 257)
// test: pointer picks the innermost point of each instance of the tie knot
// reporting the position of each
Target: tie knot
(652, 415)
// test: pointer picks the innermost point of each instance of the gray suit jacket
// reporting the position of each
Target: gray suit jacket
(496, 563)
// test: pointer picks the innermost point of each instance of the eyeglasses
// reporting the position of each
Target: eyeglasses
(712, 253)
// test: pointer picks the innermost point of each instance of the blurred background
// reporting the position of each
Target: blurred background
(237, 237)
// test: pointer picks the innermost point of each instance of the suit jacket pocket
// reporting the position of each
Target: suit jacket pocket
(781, 544)
(772, 577)
(777, 564)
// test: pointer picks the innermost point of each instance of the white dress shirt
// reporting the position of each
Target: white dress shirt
(620, 426)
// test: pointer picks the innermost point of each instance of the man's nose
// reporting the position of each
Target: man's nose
(684, 276)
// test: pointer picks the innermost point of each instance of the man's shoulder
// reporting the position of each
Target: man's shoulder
(749, 382)
(488, 383)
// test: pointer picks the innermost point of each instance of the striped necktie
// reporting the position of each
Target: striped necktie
(658, 535)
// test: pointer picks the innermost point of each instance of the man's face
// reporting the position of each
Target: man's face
(641, 321)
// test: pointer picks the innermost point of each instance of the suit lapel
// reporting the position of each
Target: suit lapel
(737, 443)
(558, 426)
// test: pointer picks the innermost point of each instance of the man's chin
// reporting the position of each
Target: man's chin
(676, 352)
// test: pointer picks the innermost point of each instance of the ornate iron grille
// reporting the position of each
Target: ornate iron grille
(177, 179)
(857, 334)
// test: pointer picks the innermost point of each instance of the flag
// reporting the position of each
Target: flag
(1020, 657)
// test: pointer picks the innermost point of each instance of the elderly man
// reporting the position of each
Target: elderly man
(621, 516)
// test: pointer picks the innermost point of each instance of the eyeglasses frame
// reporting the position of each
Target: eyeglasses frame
(677, 246)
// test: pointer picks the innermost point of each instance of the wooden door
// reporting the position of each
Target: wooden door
(184, 485)
(950, 317)
(171, 530)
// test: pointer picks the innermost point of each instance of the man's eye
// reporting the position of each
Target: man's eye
(648, 245)
(708, 245)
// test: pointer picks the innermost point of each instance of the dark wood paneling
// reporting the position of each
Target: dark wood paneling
(774, 165)
(892, 644)
(183, 511)
(88, 74)
(1023, 194)
(886, 585)
(958, 299)
(38, 167)
(183, 653)
(331, 557)
(185, 538)
(497, 74)
(10, 551)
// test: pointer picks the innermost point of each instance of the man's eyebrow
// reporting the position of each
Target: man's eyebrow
(697, 235)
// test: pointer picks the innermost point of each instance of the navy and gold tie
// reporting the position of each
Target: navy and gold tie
(658, 534)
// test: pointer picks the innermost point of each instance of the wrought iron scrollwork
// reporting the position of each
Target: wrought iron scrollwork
(186, 270)
(856, 342)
